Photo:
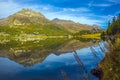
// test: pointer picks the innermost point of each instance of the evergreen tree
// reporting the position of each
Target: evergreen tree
(114, 26)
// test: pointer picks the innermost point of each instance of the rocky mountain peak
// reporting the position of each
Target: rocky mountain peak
(56, 19)
(29, 13)
(26, 17)
(95, 26)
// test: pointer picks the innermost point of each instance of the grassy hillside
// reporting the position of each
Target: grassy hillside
(30, 22)
(50, 29)
(111, 64)
(72, 26)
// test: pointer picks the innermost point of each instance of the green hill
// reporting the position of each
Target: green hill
(27, 21)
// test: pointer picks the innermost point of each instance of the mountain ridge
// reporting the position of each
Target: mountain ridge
(71, 25)
(26, 17)
(34, 18)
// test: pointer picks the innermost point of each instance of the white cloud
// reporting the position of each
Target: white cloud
(82, 15)
(82, 9)
(115, 1)
(92, 4)
(7, 8)
(102, 5)
(80, 19)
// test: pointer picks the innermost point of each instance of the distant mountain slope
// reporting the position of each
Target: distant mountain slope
(96, 27)
(29, 22)
(72, 26)
(3, 21)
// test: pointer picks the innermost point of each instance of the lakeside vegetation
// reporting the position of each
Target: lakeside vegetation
(41, 32)
(31, 32)
(47, 30)
(96, 35)
(111, 64)
(114, 26)
(89, 34)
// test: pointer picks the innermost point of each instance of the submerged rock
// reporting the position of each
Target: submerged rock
(97, 72)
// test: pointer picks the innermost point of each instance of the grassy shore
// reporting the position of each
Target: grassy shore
(96, 35)
(111, 64)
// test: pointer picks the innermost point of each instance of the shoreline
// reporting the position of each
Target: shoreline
(110, 65)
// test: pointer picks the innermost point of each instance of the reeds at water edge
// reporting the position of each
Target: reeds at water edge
(110, 44)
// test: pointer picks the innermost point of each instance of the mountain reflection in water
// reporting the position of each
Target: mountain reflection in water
(50, 59)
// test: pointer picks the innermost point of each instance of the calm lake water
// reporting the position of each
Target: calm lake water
(50, 59)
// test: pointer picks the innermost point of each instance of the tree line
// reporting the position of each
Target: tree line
(114, 26)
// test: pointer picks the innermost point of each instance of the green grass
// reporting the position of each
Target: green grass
(96, 35)
(46, 29)
(111, 64)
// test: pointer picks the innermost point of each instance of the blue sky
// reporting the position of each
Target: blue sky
(83, 11)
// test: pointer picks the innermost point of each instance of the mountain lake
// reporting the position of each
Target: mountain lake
(50, 59)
